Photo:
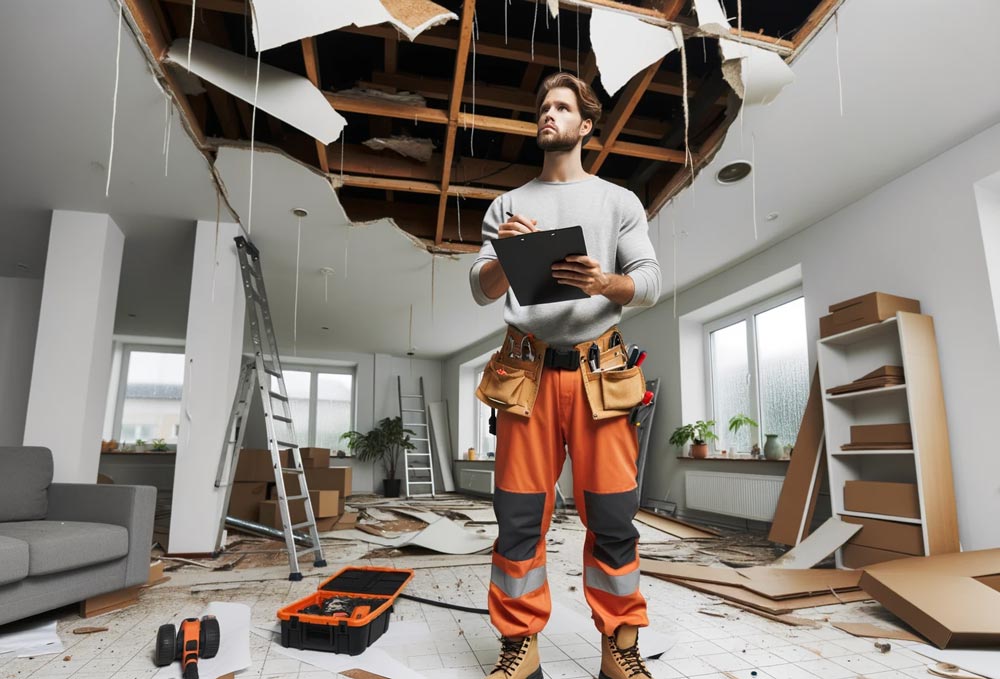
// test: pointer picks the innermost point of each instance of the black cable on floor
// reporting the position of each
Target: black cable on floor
(443, 604)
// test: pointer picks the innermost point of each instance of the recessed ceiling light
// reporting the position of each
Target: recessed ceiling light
(300, 212)
(324, 328)
(771, 217)
(327, 270)
(733, 172)
(22, 266)
(131, 315)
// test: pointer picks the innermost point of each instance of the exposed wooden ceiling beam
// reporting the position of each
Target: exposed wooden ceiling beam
(816, 20)
(420, 220)
(512, 144)
(627, 102)
(494, 96)
(311, 59)
(345, 103)
(455, 103)
(412, 186)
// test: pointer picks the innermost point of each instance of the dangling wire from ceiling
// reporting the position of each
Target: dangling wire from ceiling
(253, 128)
(295, 311)
(191, 33)
(114, 100)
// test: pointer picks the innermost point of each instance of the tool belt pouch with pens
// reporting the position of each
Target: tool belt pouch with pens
(614, 389)
(510, 379)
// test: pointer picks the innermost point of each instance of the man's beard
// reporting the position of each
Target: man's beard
(559, 142)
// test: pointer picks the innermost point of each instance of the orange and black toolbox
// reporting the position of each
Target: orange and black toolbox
(348, 612)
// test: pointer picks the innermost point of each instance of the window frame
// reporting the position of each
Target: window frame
(127, 348)
(748, 315)
(478, 420)
(314, 371)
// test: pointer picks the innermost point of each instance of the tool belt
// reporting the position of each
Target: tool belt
(512, 375)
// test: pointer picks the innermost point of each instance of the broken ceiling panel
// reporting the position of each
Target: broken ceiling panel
(755, 74)
(418, 149)
(282, 21)
(711, 18)
(284, 95)
(624, 45)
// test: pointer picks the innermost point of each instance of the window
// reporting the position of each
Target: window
(486, 443)
(322, 405)
(149, 403)
(758, 365)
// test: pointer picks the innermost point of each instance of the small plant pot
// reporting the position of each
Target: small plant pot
(699, 450)
(391, 487)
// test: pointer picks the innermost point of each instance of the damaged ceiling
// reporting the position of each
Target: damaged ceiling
(418, 111)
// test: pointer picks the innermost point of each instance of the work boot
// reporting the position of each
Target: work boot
(518, 659)
(620, 657)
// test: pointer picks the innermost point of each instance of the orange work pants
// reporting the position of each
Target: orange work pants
(529, 460)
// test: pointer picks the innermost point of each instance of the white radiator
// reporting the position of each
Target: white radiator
(748, 496)
(476, 480)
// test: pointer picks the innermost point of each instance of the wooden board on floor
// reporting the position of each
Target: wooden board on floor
(670, 526)
(111, 601)
(773, 583)
(797, 501)
(864, 629)
(763, 603)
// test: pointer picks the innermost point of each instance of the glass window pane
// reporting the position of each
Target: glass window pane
(333, 409)
(152, 407)
(731, 385)
(783, 367)
(297, 385)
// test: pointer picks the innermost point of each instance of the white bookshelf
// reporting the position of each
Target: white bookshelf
(907, 340)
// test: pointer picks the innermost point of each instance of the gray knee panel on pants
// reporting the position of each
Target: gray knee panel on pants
(609, 518)
(519, 516)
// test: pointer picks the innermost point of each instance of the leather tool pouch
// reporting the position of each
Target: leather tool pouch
(510, 383)
(613, 390)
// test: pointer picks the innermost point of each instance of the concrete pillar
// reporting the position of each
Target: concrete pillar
(213, 350)
(72, 362)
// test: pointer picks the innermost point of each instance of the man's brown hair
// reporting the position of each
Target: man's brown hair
(586, 100)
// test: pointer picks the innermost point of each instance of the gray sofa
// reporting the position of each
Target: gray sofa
(65, 542)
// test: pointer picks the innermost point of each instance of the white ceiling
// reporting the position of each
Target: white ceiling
(916, 82)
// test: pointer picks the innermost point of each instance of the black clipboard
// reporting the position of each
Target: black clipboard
(527, 262)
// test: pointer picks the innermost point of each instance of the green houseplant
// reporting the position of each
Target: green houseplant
(382, 444)
(159, 445)
(698, 433)
(737, 422)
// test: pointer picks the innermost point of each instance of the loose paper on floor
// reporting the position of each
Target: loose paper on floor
(443, 536)
(234, 646)
(31, 640)
(286, 96)
(983, 662)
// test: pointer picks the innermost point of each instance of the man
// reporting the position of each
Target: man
(568, 409)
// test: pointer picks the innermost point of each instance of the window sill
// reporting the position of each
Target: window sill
(726, 458)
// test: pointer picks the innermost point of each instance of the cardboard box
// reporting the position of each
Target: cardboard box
(859, 556)
(347, 521)
(947, 598)
(860, 311)
(313, 458)
(270, 516)
(881, 433)
(244, 498)
(879, 497)
(255, 465)
(905, 538)
(330, 478)
(326, 503)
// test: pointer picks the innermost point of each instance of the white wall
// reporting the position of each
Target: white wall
(20, 302)
(988, 199)
(918, 236)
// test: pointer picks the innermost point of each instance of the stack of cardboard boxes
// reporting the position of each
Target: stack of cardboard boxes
(253, 496)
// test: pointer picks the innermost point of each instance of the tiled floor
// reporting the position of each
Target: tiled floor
(739, 646)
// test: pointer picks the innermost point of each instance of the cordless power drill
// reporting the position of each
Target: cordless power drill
(196, 638)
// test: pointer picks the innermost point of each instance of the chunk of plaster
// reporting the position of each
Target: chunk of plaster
(611, 32)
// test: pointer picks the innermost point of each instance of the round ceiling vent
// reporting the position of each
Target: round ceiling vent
(733, 172)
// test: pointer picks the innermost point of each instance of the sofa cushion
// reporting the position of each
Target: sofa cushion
(13, 560)
(56, 546)
(26, 473)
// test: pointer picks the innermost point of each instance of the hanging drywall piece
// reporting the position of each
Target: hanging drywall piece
(411, 147)
(553, 7)
(283, 21)
(711, 18)
(610, 31)
(756, 75)
(284, 95)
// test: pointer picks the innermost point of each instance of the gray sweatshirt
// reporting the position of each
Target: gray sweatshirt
(617, 235)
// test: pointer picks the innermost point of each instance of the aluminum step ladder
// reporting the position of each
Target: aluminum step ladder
(418, 469)
(263, 373)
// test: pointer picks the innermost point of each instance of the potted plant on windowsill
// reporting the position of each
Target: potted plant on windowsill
(737, 422)
(698, 433)
(382, 444)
